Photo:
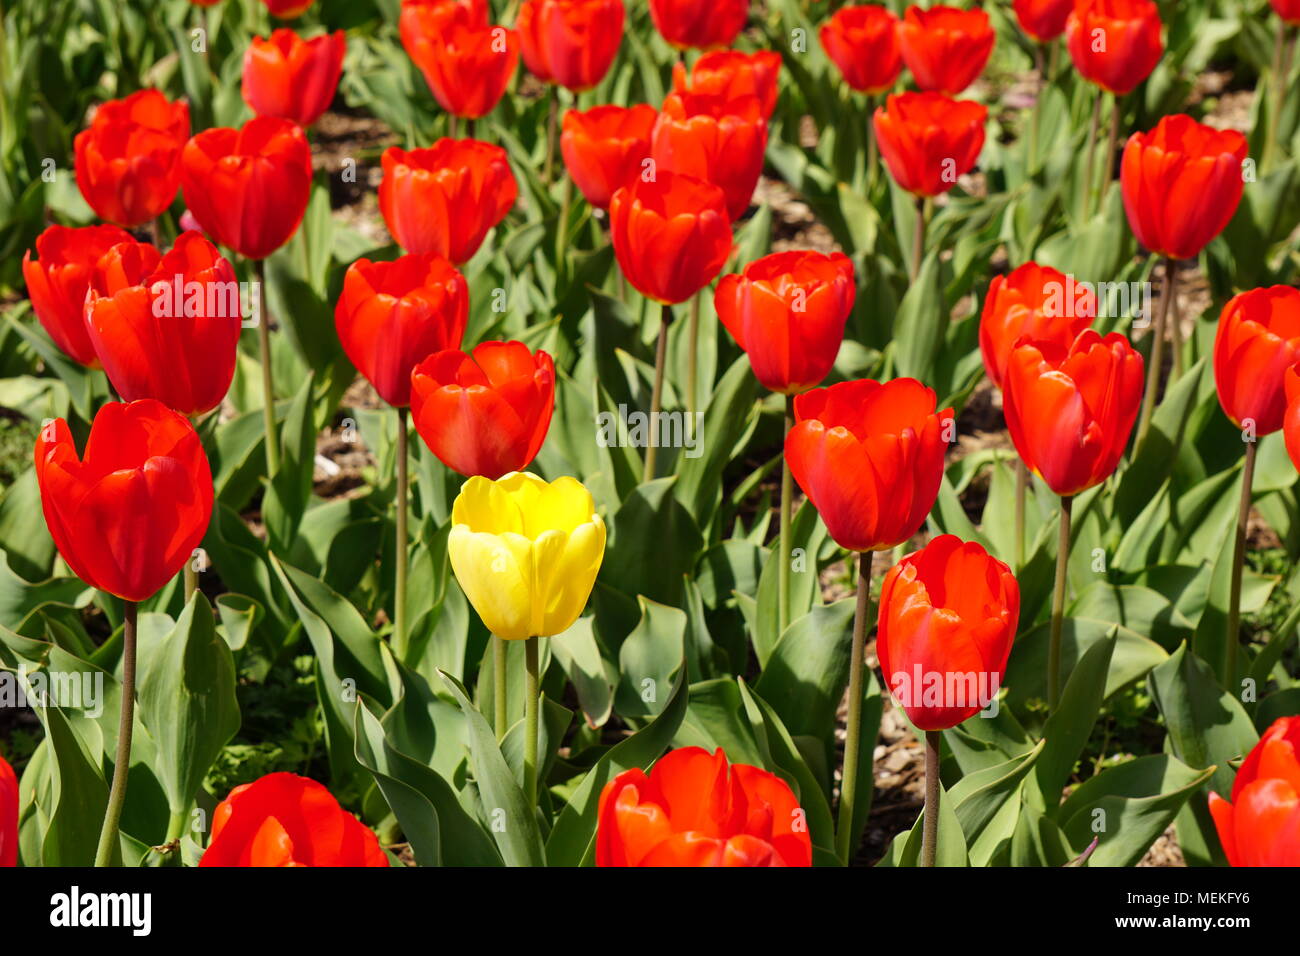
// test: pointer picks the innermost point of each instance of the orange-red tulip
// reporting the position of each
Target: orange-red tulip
(869, 456)
(928, 140)
(863, 43)
(128, 160)
(695, 810)
(787, 311)
(722, 141)
(8, 815)
(731, 75)
(1182, 184)
(293, 78)
(702, 24)
(127, 515)
(605, 148)
(1034, 301)
(446, 198)
(421, 21)
(486, 413)
(1257, 342)
(948, 615)
(283, 819)
(58, 278)
(570, 42)
(467, 62)
(248, 188)
(1114, 43)
(1291, 421)
(946, 48)
(1043, 20)
(1288, 10)
(1261, 825)
(391, 315)
(287, 9)
(1070, 410)
(671, 235)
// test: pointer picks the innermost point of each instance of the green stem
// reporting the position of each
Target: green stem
(693, 361)
(930, 822)
(1058, 606)
(552, 120)
(122, 762)
(530, 722)
(853, 730)
(499, 696)
(1036, 115)
(918, 239)
(1274, 117)
(1157, 352)
(1238, 560)
(176, 826)
(657, 396)
(1022, 488)
(1108, 159)
(268, 385)
(1090, 161)
(873, 148)
(401, 639)
(562, 229)
(787, 506)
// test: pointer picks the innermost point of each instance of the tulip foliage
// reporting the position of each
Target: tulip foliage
(578, 432)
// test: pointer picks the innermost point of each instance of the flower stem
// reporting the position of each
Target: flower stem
(693, 362)
(787, 506)
(657, 396)
(930, 822)
(1036, 115)
(499, 697)
(1022, 489)
(1157, 352)
(1275, 107)
(268, 385)
(552, 120)
(1108, 159)
(1238, 559)
(1058, 606)
(122, 762)
(401, 639)
(1090, 161)
(918, 239)
(562, 230)
(530, 722)
(853, 731)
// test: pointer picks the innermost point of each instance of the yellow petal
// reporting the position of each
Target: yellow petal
(496, 574)
(562, 505)
(574, 576)
(485, 506)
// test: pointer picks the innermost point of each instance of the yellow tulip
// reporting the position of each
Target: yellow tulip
(526, 552)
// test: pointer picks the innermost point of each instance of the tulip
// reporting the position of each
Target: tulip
(447, 198)
(1036, 302)
(1291, 422)
(1043, 20)
(287, 9)
(1115, 44)
(606, 147)
(946, 48)
(58, 279)
(1261, 824)
(8, 815)
(701, 24)
(570, 42)
(293, 78)
(863, 43)
(732, 75)
(467, 62)
(283, 819)
(1288, 10)
(928, 140)
(421, 21)
(697, 809)
(128, 162)
(487, 412)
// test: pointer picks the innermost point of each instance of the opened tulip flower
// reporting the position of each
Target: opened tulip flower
(8, 815)
(1291, 421)
(293, 78)
(701, 24)
(128, 162)
(467, 62)
(1257, 342)
(862, 41)
(928, 140)
(946, 48)
(484, 413)
(1043, 20)
(570, 42)
(731, 75)
(58, 278)
(1114, 44)
(606, 147)
(695, 808)
(1037, 302)
(283, 819)
(1260, 826)
(447, 198)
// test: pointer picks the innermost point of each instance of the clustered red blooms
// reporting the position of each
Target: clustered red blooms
(1260, 824)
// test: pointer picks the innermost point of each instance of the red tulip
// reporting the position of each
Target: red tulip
(166, 328)
(731, 75)
(1043, 20)
(293, 78)
(605, 148)
(1070, 410)
(283, 819)
(863, 43)
(713, 139)
(287, 9)
(695, 810)
(928, 140)
(1291, 421)
(946, 48)
(869, 456)
(128, 160)
(486, 413)
(1257, 342)
(1288, 10)
(702, 24)
(948, 615)
(1036, 302)
(671, 235)
(570, 42)
(467, 62)
(787, 311)
(1182, 184)
(248, 188)
(1114, 43)
(421, 21)
(8, 815)
(58, 279)
(446, 198)
(129, 514)
(393, 314)
(1261, 826)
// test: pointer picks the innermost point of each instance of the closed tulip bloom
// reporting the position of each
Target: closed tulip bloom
(1261, 824)
(485, 413)
(701, 24)
(293, 78)
(58, 278)
(283, 819)
(8, 815)
(946, 48)
(928, 140)
(731, 75)
(1182, 184)
(1034, 301)
(166, 328)
(447, 198)
(1291, 421)
(392, 315)
(696, 809)
(287, 9)
(787, 311)
(421, 21)
(948, 615)
(722, 141)
(1257, 342)
(467, 63)
(863, 43)
(526, 552)
(1288, 10)
(570, 42)
(1114, 43)
(869, 456)
(128, 161)
(671, 235)
(248, 188)
(606, 147)
(1071, 409)
(128, 514)
(1043, 20)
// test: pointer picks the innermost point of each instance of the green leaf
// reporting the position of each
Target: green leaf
(649, 658)
(809, 668)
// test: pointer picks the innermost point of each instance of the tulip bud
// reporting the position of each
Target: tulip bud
(731, 75)
(1114, 43)
(570, 42)
(1257, 343)
(702, 24)
(293, 78)
(863, 42)
(1043, 20)
(928, 140)
(946, 48)
(1035, 302)
(605, 148)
